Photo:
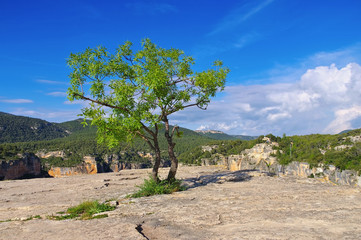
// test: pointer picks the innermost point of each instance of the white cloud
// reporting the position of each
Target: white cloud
(51, 82)
(77, 102)
(16, 101)
(57, 94)
(47, 114)
(343, 119)
(325, 99)
(239, 15)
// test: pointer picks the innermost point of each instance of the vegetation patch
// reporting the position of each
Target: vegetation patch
(7, 220)
(151, 187)
(33, 217)
(18, 219)
(84, 211)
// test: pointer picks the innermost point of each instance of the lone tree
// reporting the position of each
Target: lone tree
(131, 94)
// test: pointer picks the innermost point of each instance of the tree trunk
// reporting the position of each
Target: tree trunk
(156, 162)
(173, 158)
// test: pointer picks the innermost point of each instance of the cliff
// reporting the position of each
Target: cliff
(27, 165)
(106, 163)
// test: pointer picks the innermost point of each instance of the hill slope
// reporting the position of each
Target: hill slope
(21, 129)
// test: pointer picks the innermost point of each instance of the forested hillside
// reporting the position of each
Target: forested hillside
(77, 139)
(21, 129)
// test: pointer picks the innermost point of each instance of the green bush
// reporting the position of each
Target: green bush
(151, 187)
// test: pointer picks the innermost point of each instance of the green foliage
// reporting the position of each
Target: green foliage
(52, 161)
(85, 211)
(151, 187)
(33, 217)
(192, 156)
(140, 89)
(308, 149)
(224, 147)
(217, 136)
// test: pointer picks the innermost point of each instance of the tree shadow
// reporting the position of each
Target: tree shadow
(220, 177)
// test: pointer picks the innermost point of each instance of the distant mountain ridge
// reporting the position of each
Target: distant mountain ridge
(21, 129)
(208, 131)
(219, 135)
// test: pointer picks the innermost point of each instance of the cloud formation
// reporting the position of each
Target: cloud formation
(51, 82)
(239, 15)
(57, 94)
(326, 99)
(47, 114)
(16, 101)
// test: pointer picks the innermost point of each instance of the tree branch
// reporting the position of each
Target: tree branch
(114, 107)
(145, 139)
(175, 128)
(102, 103)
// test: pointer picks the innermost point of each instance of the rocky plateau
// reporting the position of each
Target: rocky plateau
(219, 204)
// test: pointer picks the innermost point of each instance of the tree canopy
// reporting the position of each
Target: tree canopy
(131, 94)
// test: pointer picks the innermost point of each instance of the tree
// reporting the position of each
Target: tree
(131, 94)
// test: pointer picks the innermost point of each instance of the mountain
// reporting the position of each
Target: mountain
(218, 135)
(345, 131)
(244, 137)
(21, 129)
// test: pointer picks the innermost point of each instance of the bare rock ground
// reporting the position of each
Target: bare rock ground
(218, 205)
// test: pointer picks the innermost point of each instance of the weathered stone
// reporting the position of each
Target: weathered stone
(42, 154)
(256, 208)
(89, 166)
(342, 147)
(298, 169)
(26, 165)
(259, 157)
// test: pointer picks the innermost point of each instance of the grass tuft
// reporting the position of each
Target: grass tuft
(85, 211)
(151, 187)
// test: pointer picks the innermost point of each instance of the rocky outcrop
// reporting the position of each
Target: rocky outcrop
(328, 173)
(26, 166)
(89, 166)
(108, 163)
(42, 154)
(259, 157)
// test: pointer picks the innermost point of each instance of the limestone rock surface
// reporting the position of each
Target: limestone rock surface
(219, 204)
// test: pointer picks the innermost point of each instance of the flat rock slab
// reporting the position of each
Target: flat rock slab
(218, 205)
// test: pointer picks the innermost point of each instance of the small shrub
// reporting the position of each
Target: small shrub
(151, 187)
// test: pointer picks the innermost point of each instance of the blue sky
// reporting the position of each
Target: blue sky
(295, 65)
